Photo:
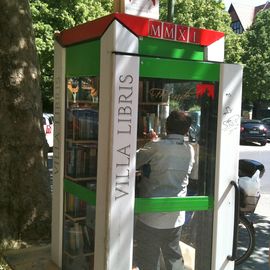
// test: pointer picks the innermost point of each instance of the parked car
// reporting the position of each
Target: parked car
(48, 125)
(266, 122)
(253, 131)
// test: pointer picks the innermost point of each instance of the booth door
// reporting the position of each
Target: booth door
(208, 93)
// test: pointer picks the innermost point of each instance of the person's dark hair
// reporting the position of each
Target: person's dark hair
(178, 123)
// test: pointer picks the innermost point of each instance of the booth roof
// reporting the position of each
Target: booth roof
(137, 25)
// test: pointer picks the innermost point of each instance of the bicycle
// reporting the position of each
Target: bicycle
(246, 239)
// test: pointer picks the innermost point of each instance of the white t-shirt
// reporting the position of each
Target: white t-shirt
(170, 161)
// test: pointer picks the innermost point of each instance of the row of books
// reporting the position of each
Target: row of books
(81, 160)
(78, 238)
(82, 124)
(74, 207)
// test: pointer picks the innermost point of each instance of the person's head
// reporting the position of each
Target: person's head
(178, 123)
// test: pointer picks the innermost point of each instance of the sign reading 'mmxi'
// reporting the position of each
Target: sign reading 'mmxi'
(170, 31)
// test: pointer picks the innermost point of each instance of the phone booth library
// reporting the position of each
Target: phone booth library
(117, 79)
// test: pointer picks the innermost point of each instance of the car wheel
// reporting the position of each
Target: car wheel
(263, 143)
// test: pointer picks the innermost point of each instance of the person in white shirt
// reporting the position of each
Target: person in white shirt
(166, 165)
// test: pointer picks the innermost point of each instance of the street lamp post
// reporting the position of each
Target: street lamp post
(170, 10)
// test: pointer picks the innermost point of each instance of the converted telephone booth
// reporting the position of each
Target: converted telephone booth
(116, 79)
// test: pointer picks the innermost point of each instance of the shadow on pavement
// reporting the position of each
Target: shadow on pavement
(250, 143)
(259, 259)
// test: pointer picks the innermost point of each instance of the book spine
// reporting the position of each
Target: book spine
(72, 240)
(93, 161)
(86, 238)
(78, 235)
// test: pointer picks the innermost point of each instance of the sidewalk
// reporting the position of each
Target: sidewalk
(39, 258)
(261, 220)
(35, 258)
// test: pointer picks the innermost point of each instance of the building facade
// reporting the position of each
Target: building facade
(243, 15)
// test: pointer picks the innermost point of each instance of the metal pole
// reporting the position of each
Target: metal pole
(170, 10)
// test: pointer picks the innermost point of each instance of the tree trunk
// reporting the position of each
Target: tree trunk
(24, 178)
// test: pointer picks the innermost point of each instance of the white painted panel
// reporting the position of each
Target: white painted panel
(58, 157)
(229, 115)
(104, 145)
(126, 82)
(215, 51)
(119, 76)
(124, 40)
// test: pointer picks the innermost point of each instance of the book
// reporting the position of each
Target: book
(88, 241)
(78, 236)
(74, 241)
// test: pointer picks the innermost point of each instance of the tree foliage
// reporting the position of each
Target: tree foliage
(256, 59)
(207, 14)
(50, 16)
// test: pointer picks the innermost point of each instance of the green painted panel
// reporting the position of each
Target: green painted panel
(194, 203)
(83, 59)
(170, 49)
(147, 205)
(179, 69)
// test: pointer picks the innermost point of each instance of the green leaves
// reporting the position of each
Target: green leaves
(256, 57)
(207, 14)
(50, 16)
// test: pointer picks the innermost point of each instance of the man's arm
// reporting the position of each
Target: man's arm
(144, 155)
(192, 159)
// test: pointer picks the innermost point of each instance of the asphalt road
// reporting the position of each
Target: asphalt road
(261, 218)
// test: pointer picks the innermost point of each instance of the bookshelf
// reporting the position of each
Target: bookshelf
(153, 109)
(80, 168)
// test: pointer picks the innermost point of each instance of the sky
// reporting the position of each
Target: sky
(249, 2)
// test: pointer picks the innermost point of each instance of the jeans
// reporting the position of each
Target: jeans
(152, 243)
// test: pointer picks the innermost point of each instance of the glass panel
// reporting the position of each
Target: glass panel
(80, 172)
(164, 155)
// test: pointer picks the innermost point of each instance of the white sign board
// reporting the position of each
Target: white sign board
(143, 8)
(123, 161)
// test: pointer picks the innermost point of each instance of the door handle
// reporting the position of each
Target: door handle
(236, 221)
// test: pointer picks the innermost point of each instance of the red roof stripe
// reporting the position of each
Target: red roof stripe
(86, 31)
(209, 36)
(138, 25)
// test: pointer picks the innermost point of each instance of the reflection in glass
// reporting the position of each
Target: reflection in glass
(82, 90)
(81, 139)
